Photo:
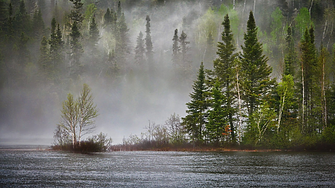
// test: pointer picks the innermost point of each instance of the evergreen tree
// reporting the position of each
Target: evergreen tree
(224, 71)
(255, 82)
(195, 119)
(38, 25)
(93, 34)
(139, 50)
(108, 19)
(217, 115)
(22, 20)
(148, 43)
(311, 100)
(56, 46)
(76, 12)
(122, 42)
(290, 54)
(175, 48)
(76, 51)
(184, 48)
(43, 61)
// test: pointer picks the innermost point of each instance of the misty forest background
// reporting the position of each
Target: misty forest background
(267, 77)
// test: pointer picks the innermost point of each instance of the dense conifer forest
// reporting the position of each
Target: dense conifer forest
(254, 73)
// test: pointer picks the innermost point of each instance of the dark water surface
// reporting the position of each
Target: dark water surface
(166, 169)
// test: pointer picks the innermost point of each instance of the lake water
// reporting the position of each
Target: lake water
(30, 168)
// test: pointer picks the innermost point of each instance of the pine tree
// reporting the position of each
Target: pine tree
(148, 43)
(255, 82)
(224, 71)
(195, 119)
(184, 48)
(310, 74)
(290, 54)
(122, 40)
(56, 46)
(139, 49)
(76, 51)
(217, 115)
(175, 48)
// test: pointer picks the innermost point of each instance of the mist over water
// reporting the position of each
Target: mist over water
(166, 169)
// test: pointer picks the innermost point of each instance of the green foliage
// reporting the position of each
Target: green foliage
(217, 115)
(255, 71)
(277, 25)
(224, 71)
(303, 20)
(78, 117)
(195, 119)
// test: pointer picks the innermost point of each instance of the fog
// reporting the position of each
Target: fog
(126, 103)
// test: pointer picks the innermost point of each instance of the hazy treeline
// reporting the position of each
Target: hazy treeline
(137, 49)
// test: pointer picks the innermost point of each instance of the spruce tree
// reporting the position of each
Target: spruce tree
(255, 81)
(310, 74)
(139, 49)
(217, 115)
(184, 48)
(224, 71)
(56, 46)
(195, 119)
(175, 48)
(290, 55)
(122, 40)
(76, 51)
(148, 42)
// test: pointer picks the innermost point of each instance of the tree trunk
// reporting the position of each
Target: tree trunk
(281, 110)
(303, 97)
(239, 107)
(323, 94)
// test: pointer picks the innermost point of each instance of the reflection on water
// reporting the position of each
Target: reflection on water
(165, 169)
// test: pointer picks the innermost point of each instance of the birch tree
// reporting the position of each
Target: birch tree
(70, 117)
(87, 112)
(285, 91)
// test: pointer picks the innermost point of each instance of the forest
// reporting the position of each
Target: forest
(257, 73)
